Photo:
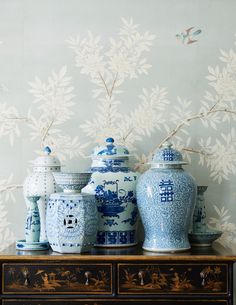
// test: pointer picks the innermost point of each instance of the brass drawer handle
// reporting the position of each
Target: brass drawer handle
(87, 276)
(141, 275)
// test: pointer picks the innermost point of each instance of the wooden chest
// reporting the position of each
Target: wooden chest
(117, 276)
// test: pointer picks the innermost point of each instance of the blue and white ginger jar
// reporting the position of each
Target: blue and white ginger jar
(71, 215)
(113, 183)
(166, 199)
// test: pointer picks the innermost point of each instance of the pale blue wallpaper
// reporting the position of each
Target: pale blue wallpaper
(74, 72)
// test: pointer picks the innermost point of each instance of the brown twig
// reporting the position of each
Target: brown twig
(104, 83)
(194, 151)
(47, 130)
(10, 187)
(113, 85)
(24, 119)
(189, 119)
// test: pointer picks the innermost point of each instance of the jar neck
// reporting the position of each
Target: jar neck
(46, 169)
(66, 191)
(110, 165)
(167, 166)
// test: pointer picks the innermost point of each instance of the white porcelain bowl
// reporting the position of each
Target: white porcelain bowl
(72, 182)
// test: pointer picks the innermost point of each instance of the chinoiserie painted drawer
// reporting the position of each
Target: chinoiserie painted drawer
(114, 302)
(94, 279)
(173, 279)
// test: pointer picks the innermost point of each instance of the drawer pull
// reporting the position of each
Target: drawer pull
(87, 275)
(26, 274)
(203, 277)
(141, 275)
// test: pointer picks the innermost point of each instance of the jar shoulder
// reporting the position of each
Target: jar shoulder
(153, 175)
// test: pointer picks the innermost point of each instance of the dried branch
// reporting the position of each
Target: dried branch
(195, 151)
(187, 121)
(113, 85)
(46, 133)
(23, 119)
(10, 187)
(104, 83)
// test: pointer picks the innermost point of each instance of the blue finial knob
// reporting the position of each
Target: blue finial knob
(47, 150)
(167, 144)
(110, 140)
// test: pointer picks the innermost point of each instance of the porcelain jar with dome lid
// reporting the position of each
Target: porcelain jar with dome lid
(42, 183)
(113, 183)
(166, 198)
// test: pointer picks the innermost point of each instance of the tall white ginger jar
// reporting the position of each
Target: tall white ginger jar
(42, 183)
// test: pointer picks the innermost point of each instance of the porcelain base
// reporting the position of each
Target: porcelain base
(115, 246)
(23, 245)
(68, 250)
(166, 250)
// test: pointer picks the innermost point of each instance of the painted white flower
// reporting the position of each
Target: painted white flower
(220, 157)
(108, 68)
(221, 223)
(8, 122)
(6, 194)
(54, 98)
(89, 57)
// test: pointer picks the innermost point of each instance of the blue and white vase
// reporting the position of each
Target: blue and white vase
(71, 216)
(41, 182)
(166, 198)
(199, 215)
(32, 225)
(200, 235)
(113, 183)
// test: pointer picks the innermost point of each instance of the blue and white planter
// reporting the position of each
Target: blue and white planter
(71, 216)
(166, 197)
(113, 183)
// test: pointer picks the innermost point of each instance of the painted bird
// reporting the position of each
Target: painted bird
(188, 36)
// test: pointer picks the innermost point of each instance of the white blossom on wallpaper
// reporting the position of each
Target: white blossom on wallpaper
(6, 197)
(9, 121)
(108, 69)
(222, 223)
(54, 100)
(54, 103)
(220, 154)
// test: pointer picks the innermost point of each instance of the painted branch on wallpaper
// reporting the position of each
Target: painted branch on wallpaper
(7, 189)
(108, 68)
(55, 101)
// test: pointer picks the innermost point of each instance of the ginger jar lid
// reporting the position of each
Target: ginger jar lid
(110, 150)
(168, 156)
(47, 160)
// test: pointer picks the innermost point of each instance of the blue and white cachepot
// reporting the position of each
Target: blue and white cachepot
(71, 216)
(113, 183)
(166, 199)
(41, 182)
